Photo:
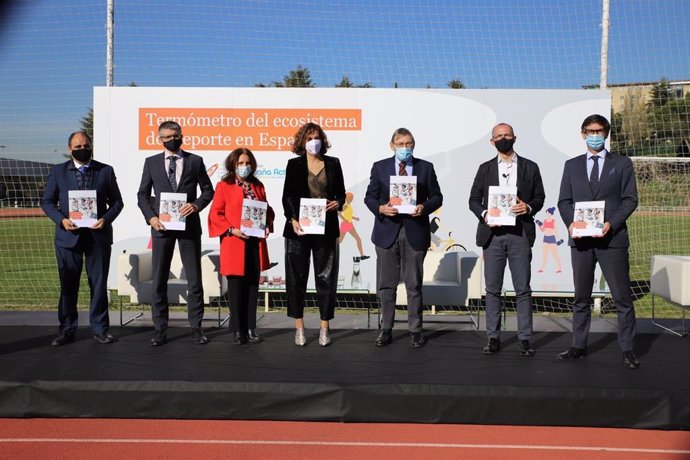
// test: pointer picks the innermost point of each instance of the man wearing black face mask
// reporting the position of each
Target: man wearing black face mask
(175, 171)
(507, 243)
(74, 244)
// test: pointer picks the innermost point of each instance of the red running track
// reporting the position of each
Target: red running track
(207, 439)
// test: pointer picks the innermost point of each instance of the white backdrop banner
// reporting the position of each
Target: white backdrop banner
(452, 129)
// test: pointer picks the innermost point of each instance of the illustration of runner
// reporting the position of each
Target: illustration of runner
(347, 225)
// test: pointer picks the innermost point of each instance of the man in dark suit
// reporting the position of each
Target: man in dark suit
(503, 243)
(175, 171)
(401, 240)
(599, 175)
(73, 244)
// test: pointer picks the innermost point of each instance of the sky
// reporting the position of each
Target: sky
(52, 52)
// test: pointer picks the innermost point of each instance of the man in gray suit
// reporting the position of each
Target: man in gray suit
(175, 171)
(599, 175)
(503, 243)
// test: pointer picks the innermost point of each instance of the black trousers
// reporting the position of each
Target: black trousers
(190, 253)
(326, 261)
(243, 291)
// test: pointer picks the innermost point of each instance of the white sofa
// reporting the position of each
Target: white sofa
(134, 277)
(450, 278)
(670, 280)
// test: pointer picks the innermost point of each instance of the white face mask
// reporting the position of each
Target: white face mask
(313, 146)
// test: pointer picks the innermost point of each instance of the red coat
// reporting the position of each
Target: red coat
(226, 211)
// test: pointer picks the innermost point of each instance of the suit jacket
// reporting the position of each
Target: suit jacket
(617, 188)
(155, 177)
(55, 201)
(530, 189)
(429, 194)
(226, 212)
(296, 186)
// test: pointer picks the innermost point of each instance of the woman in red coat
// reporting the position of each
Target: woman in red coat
(242, 257)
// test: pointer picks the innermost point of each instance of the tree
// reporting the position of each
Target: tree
(86, 122)
(660, 94)
(347, 83)
(455, 84)
(297, 78)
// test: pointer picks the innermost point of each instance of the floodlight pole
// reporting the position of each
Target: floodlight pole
(605, 24)
(110, 33)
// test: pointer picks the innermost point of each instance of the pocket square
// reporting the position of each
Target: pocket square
(612, 172)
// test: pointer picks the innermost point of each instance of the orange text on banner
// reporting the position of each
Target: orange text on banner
(227, 129)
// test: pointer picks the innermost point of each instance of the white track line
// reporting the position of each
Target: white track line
(343, 444)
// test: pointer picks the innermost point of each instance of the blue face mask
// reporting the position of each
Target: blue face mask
(244, 171)
(595, 142)
(403, 153)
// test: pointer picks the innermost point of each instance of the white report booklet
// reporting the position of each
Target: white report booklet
(501, 200)
(83, 208)
(169, 213)
(253, 221)
(403, 193)
(589, 218)
(312, 215)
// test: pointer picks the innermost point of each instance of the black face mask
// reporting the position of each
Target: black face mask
(82, 155)
(504, 145)
(173, 145)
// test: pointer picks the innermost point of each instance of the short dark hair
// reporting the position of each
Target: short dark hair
(71, 136)
(231, 163)
(402, 132)
(598, 119)
(300, 139)
(169, 124)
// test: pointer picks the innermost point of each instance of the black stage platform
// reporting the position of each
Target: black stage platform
(448, 381)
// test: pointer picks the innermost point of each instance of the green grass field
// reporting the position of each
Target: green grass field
(29, 279)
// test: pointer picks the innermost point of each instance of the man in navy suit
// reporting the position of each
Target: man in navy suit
(599, 175)
(401, 240)
(501, 243)
(73, 244)
(175, 171)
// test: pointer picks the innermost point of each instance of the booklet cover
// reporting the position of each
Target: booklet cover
(501, 200)
(171, 204)
(83, 209)
(312, 215)
(253, 222)
(589, 218)
(403, 190)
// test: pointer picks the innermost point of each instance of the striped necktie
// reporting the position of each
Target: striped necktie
(401, 169)
(172, 171)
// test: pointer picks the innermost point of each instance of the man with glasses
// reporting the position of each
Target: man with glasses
(401, 240)
(68, 199)
(511, 243)
(175, 171)
(599, 175)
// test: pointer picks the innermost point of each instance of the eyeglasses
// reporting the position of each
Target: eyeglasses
(593, 131)
(403, 144)
(503, 136)
(176, 137)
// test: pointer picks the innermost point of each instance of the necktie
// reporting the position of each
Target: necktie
(594, 175)
(401, 170)
(82, 170)
(172, 169)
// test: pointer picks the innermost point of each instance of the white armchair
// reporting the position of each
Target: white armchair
(134, 277)
(670, 280)
(450, 278)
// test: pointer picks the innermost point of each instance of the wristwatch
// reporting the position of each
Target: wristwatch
(230, 231)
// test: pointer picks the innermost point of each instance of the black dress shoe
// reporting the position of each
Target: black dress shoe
(384, 338)
(364, 257)
(526, 348)
(630, 360)
(238, 338)
(492, 347)
(254, 337)
(573, 353)
(104, 337)
(158, 339)
(198, 336)
(63, 339)
(417, 340)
